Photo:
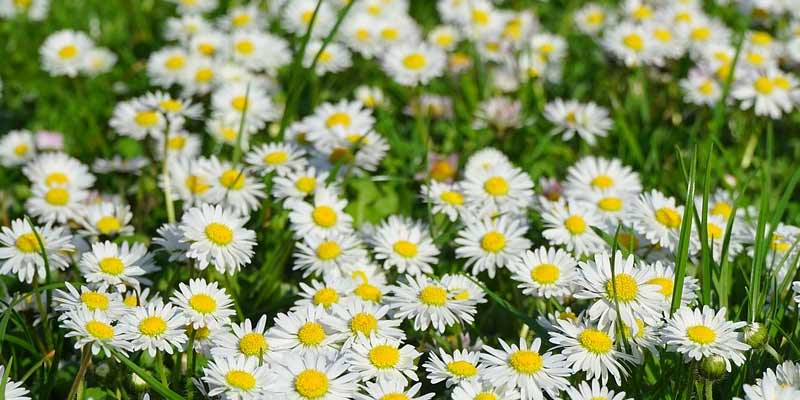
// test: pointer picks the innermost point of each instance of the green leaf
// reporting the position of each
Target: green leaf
(153, 382)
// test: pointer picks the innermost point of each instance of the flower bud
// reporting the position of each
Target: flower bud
(713, 367)
(755, 335)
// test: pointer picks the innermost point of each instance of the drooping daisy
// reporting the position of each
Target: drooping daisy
(620, 291)
(545, 272)
(571, 226)
(232, 186)
(236, 377)
(490, 244)
(396, 390)
(216, 236)
(595, 391)
(63, 52)
(203, 304)
(404, 244)
(461, 366)
(304, 331)
(328, 255)
(428, 303)
(657, 218)
(17, 148)
(413, 64)
(360, 320)
(13, 390)
(312, 377)
(590, 349)
(697, 333)
(525, 368)
(154, 327)
(324, 215)
(383, 359)
(21, 253)
(243, 340)
(281, 158)
(95, 329)
(109, 264)
(444, 198)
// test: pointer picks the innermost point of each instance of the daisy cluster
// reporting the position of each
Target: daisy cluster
(388, 310)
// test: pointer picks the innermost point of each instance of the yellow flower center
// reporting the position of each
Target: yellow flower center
(763, 85)
(245, 47)
(706, 88)
(545, 274)
(662, 35)
(415, 61)
(701, 334)
(152, 326)
(324, 216)
(368, 292)
(642, 12)
(175, 62)
(405, 248)
(453, 198)
(306, 184)
(610, 204)
(204, 74)
(176, 142)
(196, 184)
(462, 369)
(146, 118)
(715, 232)
(525, 361)
(444, 39)
(701, 34)
(27, 243)
(21, 149)
(57, 197)
(480, 17)
(108, 224)
(603, 182)
(364, 323)
(306, 16)
(575, 224)
(755, 58)
(202, 303)
(311, 334)
(485, 396)
(253, 344)
(460, 294)
(493, 242)
(240, 20)
(665, 284)
(761, 38)
(496, 186)
(633, 41)
(339, 118)
(130, 300)
(781, 82)
(206, 49)
(432, 295)
(22, 3)
(625, 286)
(68, 52)
(595, 341)
(668, 217)
(325, 297)
(595, 18)
(384, 356)
(239, 103)
(95, 300)
(219, 234)
(442, 170)
(241, 380)
(779, 243)
(100, 330)
(232, 179)
(112, 265)
(56, 178)
(311, 384)
(328, 250)
(394, 396)
(390, 34)
(275, 158)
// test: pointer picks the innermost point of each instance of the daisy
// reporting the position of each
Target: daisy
(383, 359)
(17, 148)
(591, 18)
(203, 304)
(404, 244)
(461, 366)
(428, 303)
(326, 294)
(298, 184)
(13, 390)
(572, 228)
(370, 96)
(587, 120)
(109, 264)
(594, 173)
(360, 320)
(759, 91)
(297, 17)
(770, 387)
(95, 329)
(189, 180)
(63, 52)
(244, 340)
(343, 117)
(590, 349)
(610, 205)
(697, 334)
(260, 51)
(170, 240)
(174, 108)
(200, 77)
(21, 253)
(58, 170)
(484, 390)
(413, 64)
(333, 58)
(463, 288)
(444, 198)
(154, 327)
(596, 390)
(526, 369)
(304, 331)
(106, 218)
(182, 28)
(500, 189)
(237, 378)
(243, 18)
(663, 275)
(445, 37)
(33, 10)
(486, 159)
(195, 6)
(328, 255)
(216, 236)
(281, 158)
(383, 390)
(100, 301)
(545, 272)
(312, 377)
(55, 204)
(490, 244)
(370, 284)
(136, 119)
(237, 102)
(701, 88)
(657, 218)
(168, 66)
(323, 215)
(232, 186)
(632, 45)
(627, 297)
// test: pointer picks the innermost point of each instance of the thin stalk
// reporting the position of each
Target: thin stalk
(86, 358)
(165, 176)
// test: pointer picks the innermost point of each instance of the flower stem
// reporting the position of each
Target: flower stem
(165, 176)
(86, 359)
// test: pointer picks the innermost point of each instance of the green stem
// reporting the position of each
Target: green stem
(160, 366)
(165, 175)
(709, 390)
(86, 359)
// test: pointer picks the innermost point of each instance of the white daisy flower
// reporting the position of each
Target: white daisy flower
(769, 387)
(461, 366)
(109, 264)
(545, 272)
(383, 359)
(304, 331)
(21, 253)
(657, 218)
(697, 333)
(168, 66)
(487, 159)
(404, 244)
(701, 88)
(260, 51)
(95, 329)
(298, 15)
(297, 185)
(758, 90)
(413, 64)
(242, 101)
(632, 45)
(34, 10)
(200, 76)
(216, 236)
(227, 132)
(13, 390)
(328, 255)
(484, 390)
(572, 228)
(183, 27)
(663, 275)
(526, 369)
(63, 52)
(344, 117)
(590, 349)
(445, 37)
(170, 240)
(327, 293)
(360, 320)
(189, 181)
(334, 58)
(17, 148)
(587, 120)
(195, 6)
(109, 304)
(444, 198)
(243, 340)
(244, 18)
(501, 189)
(428, 303)
(281, 158)
(591, 18)
(154, 327)
(490, 244)
(237, 378)
(596, 390)
(136, 119)
(106, 218)
(323, 215)
(312, 377)
(232, 186)
(591, 174)
(383, 390)
(58, 170)
(203, 304)
(55, 204)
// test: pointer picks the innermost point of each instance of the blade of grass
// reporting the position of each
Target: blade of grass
(159, 387)
(682, 253)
